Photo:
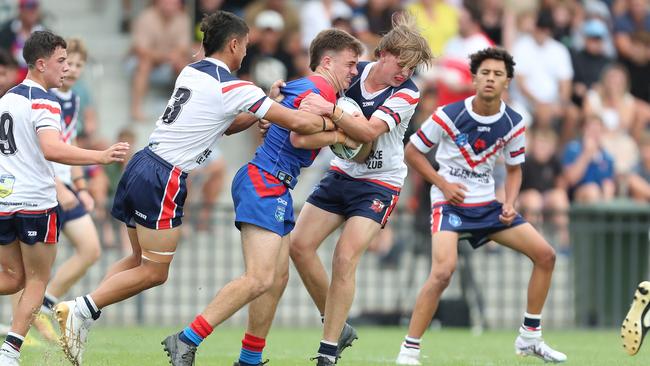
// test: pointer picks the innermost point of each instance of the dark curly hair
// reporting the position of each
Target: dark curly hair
(220, 27)
(41, 44)
(476, 59)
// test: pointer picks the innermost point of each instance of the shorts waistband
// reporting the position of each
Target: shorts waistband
(27, 213)
(162, 161)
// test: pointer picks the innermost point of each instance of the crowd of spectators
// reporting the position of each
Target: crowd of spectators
(582, 75)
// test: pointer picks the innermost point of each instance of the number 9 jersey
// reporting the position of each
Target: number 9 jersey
(26, 177)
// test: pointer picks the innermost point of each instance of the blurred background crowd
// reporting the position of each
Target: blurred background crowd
(582, 83)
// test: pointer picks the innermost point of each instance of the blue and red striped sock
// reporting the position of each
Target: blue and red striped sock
(196, 332)
(251, 350)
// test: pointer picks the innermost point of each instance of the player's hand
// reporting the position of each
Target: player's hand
(264, 126)
(274, 91)
(508, 214)
(349, 142)
(115, 153)
(86, 199)
(67, 199)
(315, 103)
(454, 193)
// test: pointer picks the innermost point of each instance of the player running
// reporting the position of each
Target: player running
(150, 196)
(30, 120)
(469, 135)
(264, 207)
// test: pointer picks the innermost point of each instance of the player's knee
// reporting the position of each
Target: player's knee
(157, 275)
(299, 251)
(441, 276)
(344, 265)
(546, 259)
(91, 254)
(260, 284)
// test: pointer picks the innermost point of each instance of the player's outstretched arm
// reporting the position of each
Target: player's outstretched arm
(242, 122)
(321, 139)
(56, 150)
(356, 126)
(454, 192)
(302, 122)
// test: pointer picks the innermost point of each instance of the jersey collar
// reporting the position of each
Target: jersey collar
(32, 83)
(218, 63)
(484, 119)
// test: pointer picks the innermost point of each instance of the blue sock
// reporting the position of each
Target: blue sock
(251, 350)
(190, 337)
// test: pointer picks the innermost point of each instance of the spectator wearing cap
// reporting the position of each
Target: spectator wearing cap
(290, 17)
(266, 61)
(15, 32)
(160, 49)
(594, 9)
(589, 62)
(632, 40)
(541, 86)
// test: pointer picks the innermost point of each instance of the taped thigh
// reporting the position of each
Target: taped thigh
(158, 256)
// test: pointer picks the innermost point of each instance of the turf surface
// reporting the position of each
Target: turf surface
(375, 346)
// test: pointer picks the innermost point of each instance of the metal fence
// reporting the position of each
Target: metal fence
(591, 286)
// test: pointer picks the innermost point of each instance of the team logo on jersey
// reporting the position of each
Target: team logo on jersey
(461, 139)
(6, 185)
(479, 145)
(369, 103)
(454, 220)
(483, 128)
(377, 205)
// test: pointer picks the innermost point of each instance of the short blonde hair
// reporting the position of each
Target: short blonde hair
(405, 42)
(76, 45)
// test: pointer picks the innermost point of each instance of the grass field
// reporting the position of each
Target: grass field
(375, 346)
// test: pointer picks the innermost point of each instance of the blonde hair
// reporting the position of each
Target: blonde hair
(76, 45)
(405, 42)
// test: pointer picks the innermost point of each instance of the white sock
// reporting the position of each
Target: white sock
(82, 309)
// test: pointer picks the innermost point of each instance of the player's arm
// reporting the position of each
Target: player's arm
(242, 122)
(56, 150)
(245, 120)
(512, 186)
(302, 122)
(356, 126)
(454, 192)
(64, 196)
(321, 139)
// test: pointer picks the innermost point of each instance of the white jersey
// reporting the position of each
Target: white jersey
(69, 102)
(206, 100)
(395, 106)
(26, 178)
(468, 146)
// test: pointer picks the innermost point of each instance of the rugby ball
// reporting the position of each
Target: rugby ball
(349, 106)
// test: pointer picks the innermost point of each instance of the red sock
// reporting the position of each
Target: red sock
(201, 326)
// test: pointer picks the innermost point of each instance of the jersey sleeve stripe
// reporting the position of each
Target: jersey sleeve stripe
(514, 154)
(253, 109)
(46, 127)
(409, 99)
(424, 138)
(48, 107)
(230, 87)
(391, 113)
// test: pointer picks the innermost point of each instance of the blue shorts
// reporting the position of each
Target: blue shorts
(262, 200)
(31, 227)
(151, 192)
(343, 195)
(74, 213)
(475, 222)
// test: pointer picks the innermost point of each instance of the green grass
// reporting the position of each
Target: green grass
(375, 346)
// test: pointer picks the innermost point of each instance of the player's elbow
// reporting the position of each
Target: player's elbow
(366, 137)
(51, 153)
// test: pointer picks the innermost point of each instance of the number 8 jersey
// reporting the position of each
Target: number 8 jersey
(205, 102)
(26, 177)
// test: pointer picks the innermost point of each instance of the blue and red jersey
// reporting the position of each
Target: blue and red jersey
(276, 155)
